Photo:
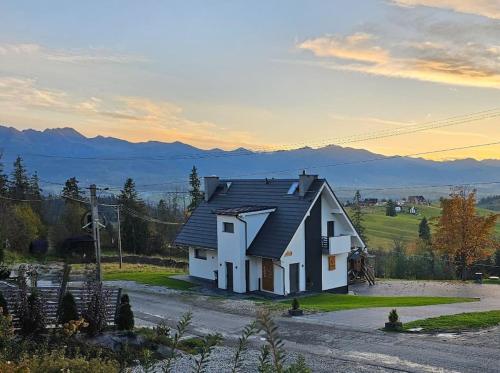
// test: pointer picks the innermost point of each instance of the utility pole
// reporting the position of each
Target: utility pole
(119, 235)
(95, 230)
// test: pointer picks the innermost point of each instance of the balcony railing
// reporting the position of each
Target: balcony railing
(335, 245)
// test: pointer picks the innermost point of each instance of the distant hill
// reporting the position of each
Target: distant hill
(108, 160)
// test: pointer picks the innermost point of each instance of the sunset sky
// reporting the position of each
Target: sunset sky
(258, 74)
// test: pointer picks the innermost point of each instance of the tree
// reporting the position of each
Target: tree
(3, 179)
(461, 233)
(20, 186)
(68, 311)
(73, 210)
(95, 314)
(135, 231)
(358, 216)
(3, 305)
(390, 209)
(71, 189)
(424, 231)
(125, 316)
(195, 192)
(34, 321)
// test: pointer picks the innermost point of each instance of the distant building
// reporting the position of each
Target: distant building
(413, 210)
(417, 200)
(369, 202)
(398, 209)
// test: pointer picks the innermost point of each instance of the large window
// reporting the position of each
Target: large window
(200, 254)
(228, 227)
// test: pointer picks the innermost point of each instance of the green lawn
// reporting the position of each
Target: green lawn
(491, 281)
(382, 230)
(456, 323)
(337, 302)
(145, 274)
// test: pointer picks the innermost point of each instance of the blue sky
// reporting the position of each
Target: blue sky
(265, 74)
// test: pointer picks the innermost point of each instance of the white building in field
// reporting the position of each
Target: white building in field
(280, 236)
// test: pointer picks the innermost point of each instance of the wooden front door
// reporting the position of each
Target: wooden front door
(229, 276)
(267, 275)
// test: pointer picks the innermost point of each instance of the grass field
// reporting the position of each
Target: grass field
(145, 274)
(337, 302)
(456, 323)
(491, 281)
(382, 230)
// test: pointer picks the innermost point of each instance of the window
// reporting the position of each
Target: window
(330, 228)
(200, 254)
(228, 227)
(293, 188)
(331, 263)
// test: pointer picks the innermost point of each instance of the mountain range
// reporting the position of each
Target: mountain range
(59, 153)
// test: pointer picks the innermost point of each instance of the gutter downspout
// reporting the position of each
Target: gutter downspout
(246, 233)
(283, 268)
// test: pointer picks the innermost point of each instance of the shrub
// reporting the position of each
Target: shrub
(56, 362)
(125, 317)
(393, 316)
(68, 310)
(4, 305)
(6, 330)
(4, 272)
(95, 314)
(33, 321)
(295, 304)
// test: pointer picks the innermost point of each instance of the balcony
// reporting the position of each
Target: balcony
(335, 245)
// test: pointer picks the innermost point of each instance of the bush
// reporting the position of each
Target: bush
(68, 310)
(3, 304)
(4, 272)
(95, 314)
(125, 317)
(56, 362)
(393, 316)
(33, 321)
(295, 304)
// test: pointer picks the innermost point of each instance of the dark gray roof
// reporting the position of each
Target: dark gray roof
(233, 211)
(273, 238)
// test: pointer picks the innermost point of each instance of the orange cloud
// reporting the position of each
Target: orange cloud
(472, 64)
(485, 8)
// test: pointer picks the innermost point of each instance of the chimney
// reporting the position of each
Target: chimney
(305, 182)
(211, 184)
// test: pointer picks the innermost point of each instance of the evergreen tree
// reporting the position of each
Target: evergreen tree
(195, 192)
(3, 305)
(390, 209)
(71, 189)
(424, 231)
(358, 216)
(34, 321)
(135, 231)
(34, 187)
(68, 311)
(3, 179)
(73, 210)
(125, 316)
(20, 185)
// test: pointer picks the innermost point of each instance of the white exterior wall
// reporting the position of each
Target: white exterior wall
(231, 248)
(297, 249)
(337, 277)
(203, 268)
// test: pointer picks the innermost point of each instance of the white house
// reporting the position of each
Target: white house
(280, 236)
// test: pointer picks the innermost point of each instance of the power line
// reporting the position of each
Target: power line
(147, 218)
(451, 121)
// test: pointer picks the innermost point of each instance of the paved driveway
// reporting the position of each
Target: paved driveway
(327, 345)
(374, 318)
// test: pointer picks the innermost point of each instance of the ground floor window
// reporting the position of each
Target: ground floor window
(331, 262)
(200, 254)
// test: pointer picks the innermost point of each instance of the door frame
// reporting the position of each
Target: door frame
(247, 274)
(297, 281)
(229, 275)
